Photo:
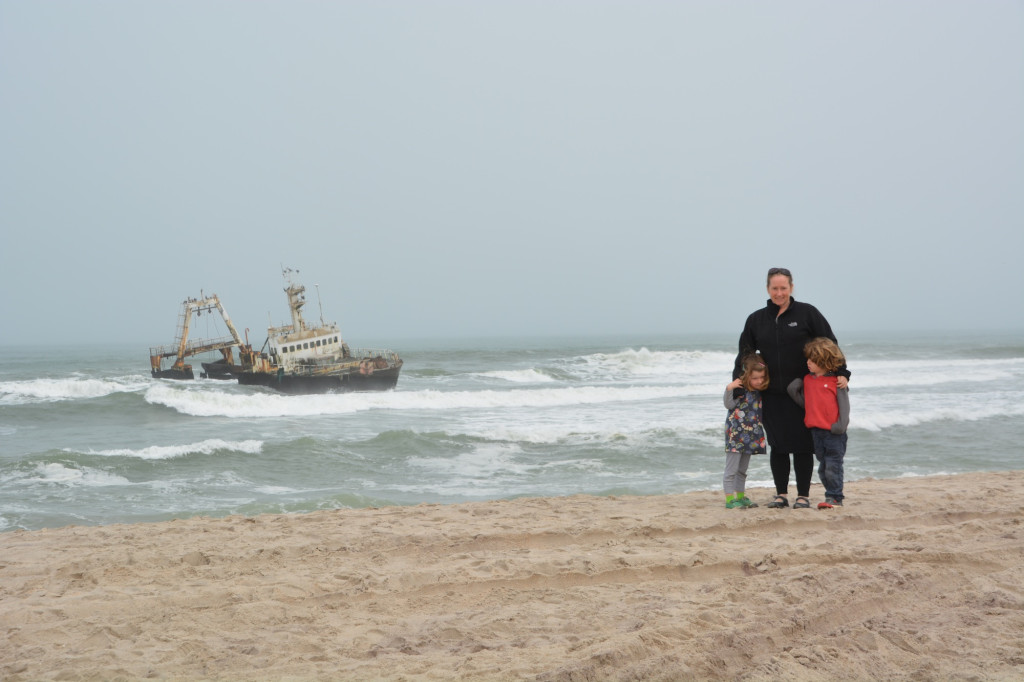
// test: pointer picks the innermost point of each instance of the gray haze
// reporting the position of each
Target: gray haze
(468, 168)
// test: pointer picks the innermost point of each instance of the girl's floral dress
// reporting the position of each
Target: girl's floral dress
(744, 432)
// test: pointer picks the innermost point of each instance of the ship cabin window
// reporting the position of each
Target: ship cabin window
(305, 345)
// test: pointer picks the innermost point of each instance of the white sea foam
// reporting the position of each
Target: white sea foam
(205, 447)
(484, 461)
(623, 430)
(909, 373)
(878, 420)
(224, 404)
(54, 390)
(54, 472)
(205, 402)
(537, 433)
(638, 363)
(521, 376)
(482, 472)
(230, 479)
(275, 490)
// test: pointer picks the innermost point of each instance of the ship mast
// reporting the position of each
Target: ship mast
(296, 299)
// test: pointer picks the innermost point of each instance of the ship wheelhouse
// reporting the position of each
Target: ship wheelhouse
(324, 343)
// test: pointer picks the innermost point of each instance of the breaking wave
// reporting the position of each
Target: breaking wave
(55, 390)
(206, 447)
(223, 404)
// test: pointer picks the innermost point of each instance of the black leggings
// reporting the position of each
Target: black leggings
(803, 465)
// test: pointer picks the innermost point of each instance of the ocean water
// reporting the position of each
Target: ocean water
(88, 437)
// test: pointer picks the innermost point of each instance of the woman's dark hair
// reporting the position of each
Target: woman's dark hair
(779, 271)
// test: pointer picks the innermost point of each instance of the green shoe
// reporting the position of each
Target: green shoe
(745, 502)
(735, 503)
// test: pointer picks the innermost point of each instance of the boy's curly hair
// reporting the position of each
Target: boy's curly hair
(754, 363)
(824, 353)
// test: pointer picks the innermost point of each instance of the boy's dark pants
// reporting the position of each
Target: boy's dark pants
(830, 448)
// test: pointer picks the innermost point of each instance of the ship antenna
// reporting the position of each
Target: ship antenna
(319, 303)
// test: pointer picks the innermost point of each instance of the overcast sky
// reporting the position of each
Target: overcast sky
(509, 168)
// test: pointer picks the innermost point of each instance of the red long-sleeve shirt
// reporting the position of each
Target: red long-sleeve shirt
(821, 407)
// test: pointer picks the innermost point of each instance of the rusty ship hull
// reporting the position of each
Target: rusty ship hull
(338, 382)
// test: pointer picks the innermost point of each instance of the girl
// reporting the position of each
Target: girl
(744, 433)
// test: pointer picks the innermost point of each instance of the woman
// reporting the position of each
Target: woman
(779, 332)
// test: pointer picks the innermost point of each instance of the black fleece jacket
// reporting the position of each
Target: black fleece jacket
(781, 340)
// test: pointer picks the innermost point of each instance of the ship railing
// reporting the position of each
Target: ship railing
(362, 353)
(275, 331)
(318, 367)
(321, 368)
(193, 347)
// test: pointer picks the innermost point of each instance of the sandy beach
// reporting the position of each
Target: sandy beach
(915, 579)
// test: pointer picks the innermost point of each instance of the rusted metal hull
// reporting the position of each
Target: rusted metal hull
(221, 370)
(300, 384)
(183, 374)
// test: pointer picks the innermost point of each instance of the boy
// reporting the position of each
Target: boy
(826, 414)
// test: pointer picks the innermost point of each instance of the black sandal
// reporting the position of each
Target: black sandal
(805, 504)
(779, 502)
